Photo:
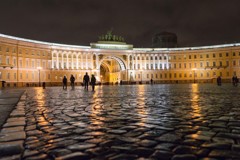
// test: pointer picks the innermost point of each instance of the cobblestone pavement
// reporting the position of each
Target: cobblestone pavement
(179, 122)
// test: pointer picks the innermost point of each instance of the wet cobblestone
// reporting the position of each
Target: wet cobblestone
(125, 122)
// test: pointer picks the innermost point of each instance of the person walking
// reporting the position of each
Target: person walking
(64, 82)
(86, 81)
(93, 82)
(219, 81)
(72, 80)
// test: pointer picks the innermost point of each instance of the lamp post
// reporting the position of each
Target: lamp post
(39, 68)
(194, 74)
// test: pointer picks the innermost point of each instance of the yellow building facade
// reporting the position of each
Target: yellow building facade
(25, 62)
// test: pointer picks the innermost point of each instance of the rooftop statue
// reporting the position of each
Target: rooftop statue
(110, 37)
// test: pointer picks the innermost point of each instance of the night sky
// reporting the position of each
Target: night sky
(80, 22)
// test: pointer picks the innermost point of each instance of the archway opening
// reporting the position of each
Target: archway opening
(111, 70)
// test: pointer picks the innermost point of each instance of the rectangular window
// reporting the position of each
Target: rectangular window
(185, 65)
(195, 56)
(175, 65)
(15, 76)
(214, 63)
(20, 63)
(220, 54)
(227, 54)
(201, 64)
(0, 75)
(207, 64)
(190, 57)
(7, 60)
(234, 63)
(14, 62)
(147, 75)
(234, 54)
(220, 63)
(49, 76)
(214, 55)
(180, 65)
(227, 63)
(156, 76)
(207, 56)
(201, 56)
(190, 65)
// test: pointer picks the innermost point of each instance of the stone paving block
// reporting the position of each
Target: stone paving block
(13, 136)
(11, 129)
(15, 123)
(74, 156)
(11, 148)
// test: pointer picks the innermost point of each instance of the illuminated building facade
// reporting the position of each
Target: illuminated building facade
(26, 62)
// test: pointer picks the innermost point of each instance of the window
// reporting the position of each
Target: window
(234, 63)
(227, 54)
(156, 76)
(195, 56)
(15, 76)
(180, 65)
(14, 62)
(234, 54)
(201, 56)
(32, 64)
(207, 74)
(207, 56)
(175, 75)
(0, 75)
(155, 58)
(165, 57)
(220, 63)
(227, 63)
(175, 65)
(147, 75)
(220, 54)
(207, 64)
(189, 57)
(201, 64)
(214, 55)
(8, 75)
(190, 65)
(185, 65)
(7, 49)
(49, 76)
(214, 63)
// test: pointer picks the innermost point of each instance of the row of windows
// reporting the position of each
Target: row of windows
(38, 53)
(33, 75)
(184, 56)
(178, 75)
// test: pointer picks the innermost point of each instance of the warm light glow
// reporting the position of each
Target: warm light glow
(39, 68)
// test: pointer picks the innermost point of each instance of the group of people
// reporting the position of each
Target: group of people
(86, 81)
(234, 81)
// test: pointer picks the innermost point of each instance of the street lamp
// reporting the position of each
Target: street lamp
(194, 69)
(39, 68)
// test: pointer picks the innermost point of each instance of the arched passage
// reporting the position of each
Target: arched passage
(112, 69)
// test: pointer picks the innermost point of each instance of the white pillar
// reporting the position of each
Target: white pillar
(52, 60)
(92, 60)
(86, 60)
(81, 60)
(67, 62)
(145, 61)
(77, 60)
(72, 62)
(57, 65)
(158, 62)
(154, 62)
(128, 61)
(97, 61)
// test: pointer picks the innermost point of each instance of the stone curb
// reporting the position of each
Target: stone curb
(12, 134)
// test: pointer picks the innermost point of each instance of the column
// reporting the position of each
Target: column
(145, 61)
(72, 61)
(154, 62)
(158, 62)
(86, 60)
(57, 63)
(149, 65)
(97, 61)
(67, 62)
(81, 60)
(77, 59)
(128, 62)
(136, 59)
(92, 66)
(52, 60)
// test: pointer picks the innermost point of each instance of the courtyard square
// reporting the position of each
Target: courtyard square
(165, 121)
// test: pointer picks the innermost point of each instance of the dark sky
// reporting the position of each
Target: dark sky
(79, 22)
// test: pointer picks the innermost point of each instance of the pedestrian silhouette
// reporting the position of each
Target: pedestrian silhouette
(64, 82)
(86, 81)
(151, 81)
(72, 80)
(93, 82)
(219, 81)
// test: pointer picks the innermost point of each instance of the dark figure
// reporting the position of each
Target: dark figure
(234, 80)
(64, 82)
(121, 82)
(93, 82)
(44, 85)
(3, 84)
(72, 80)
(151, 81)
(86, 81)
(219, 81)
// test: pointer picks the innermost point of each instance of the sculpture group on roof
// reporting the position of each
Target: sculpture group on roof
(110, 37)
